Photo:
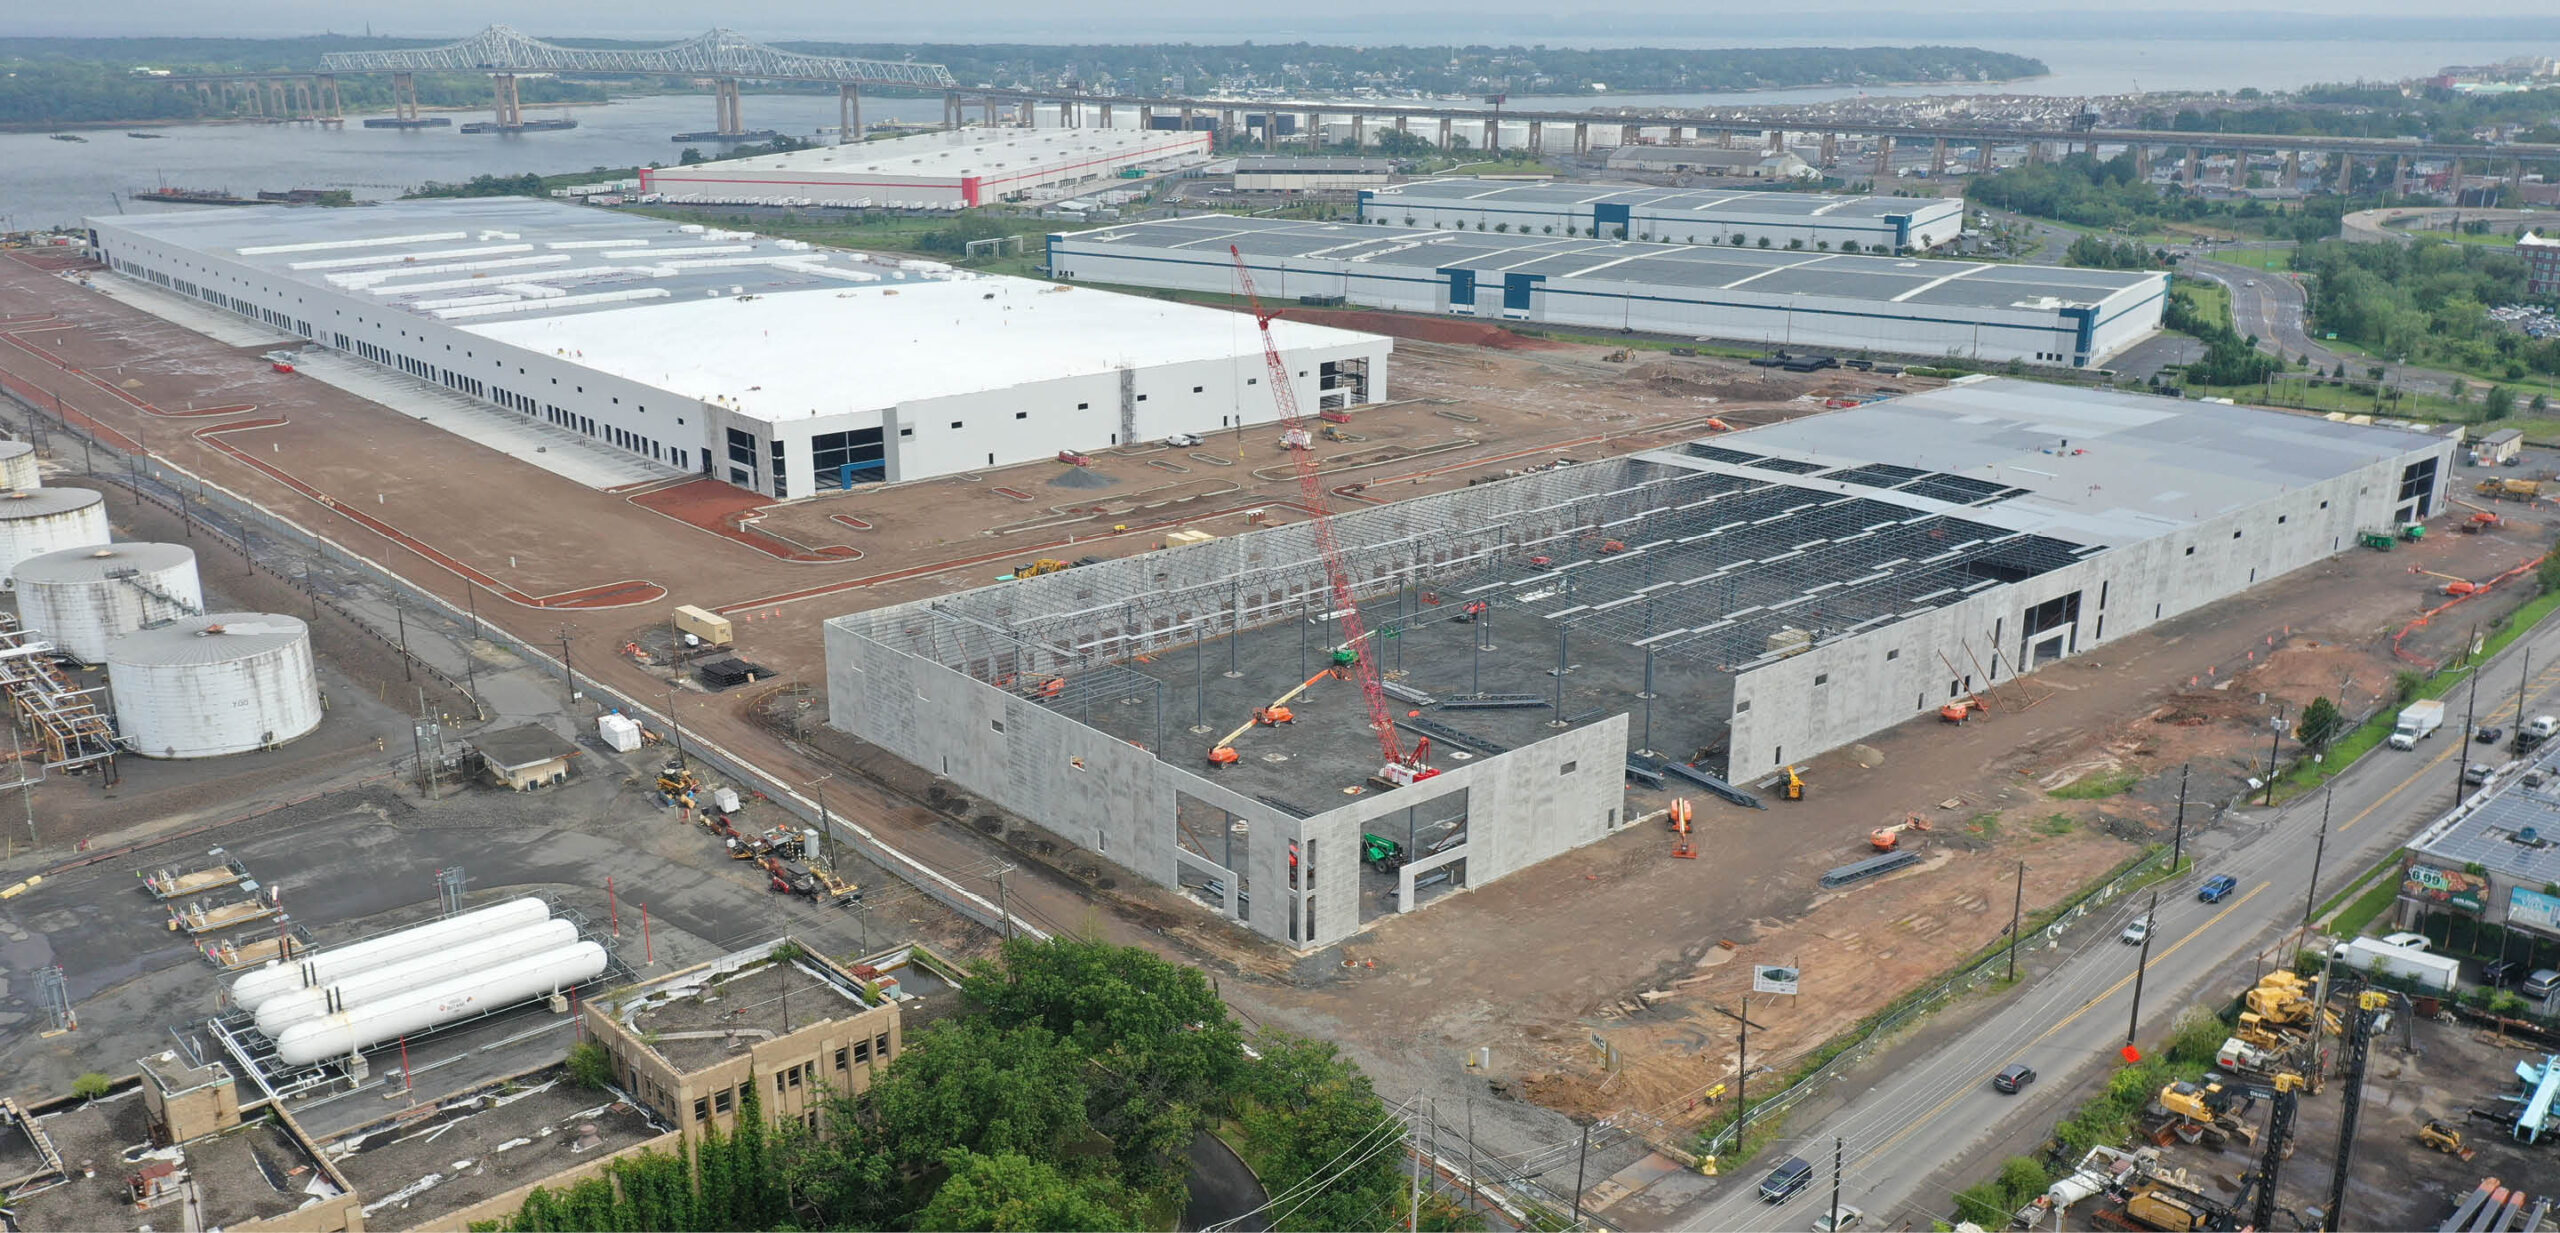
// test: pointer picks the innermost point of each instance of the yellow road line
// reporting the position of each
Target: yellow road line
(2066, 1021)
(2543, 678)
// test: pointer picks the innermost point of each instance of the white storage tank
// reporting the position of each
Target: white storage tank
(35, 521)
(222, 683)
(18, 466)
(447, 963)
(336, 963)
(499, 987)
(81, 597)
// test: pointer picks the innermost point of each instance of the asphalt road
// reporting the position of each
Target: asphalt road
(1926, 1129)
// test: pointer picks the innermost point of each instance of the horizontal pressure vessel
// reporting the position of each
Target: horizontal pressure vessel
(448, 963)
(408, 1014)
(322, 967)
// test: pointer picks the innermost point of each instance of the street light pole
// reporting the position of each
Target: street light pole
(2275, 745)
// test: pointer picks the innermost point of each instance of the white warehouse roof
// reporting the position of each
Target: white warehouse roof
(765, 356)
(774, 330)
(959, 152)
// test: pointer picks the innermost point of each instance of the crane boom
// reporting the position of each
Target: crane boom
(1346, 603)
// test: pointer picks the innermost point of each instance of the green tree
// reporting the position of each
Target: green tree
(2405, 685)
(589, 1065)
(1012, 1193)
(1301, 1112)
(2498, 403)
(92, 1085)
(969, 1084)
(2320, 724)
(2547, 575)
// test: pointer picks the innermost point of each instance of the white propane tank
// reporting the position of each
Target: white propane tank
(418, 1010)
(391, 980)
(336, 963)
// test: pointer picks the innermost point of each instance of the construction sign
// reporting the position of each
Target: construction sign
(1767, 979)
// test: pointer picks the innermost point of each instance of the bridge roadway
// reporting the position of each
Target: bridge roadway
(729, 57)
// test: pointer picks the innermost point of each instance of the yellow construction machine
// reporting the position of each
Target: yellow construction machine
(2206, 1112)
(1045, 565)
(2445, 1139)
(2283, 1000)
(1795, 785)
(2173, 1209)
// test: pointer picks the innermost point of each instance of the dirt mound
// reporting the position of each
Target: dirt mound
(1423, 329)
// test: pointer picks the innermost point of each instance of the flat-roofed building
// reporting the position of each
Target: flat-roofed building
(1671, 215)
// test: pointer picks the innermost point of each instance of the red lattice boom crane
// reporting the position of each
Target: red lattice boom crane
(1400, 769)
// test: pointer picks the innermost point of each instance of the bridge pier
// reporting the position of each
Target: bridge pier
(1315, 132)
(1493, 133)
(2346, 173)
(1884, 159)
(1582, 139)
(1359, 132)
(1629, 134)
(1830, 149)
(1448, 134)
(510, 104)
(2292, 168)
(1777, 141)
(2195, 167)
(731, 119)
(1938, 158)
(2399, 174)
(848, 114)
(1537, 138)
(1674, 135)
(950, 110)
(1724, 139)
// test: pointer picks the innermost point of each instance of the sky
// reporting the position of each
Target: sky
(1627, 22)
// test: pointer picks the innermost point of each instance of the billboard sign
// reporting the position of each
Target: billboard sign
(2533, 909)
(2444, 888)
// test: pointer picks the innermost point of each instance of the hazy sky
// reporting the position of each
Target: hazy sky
(1426, 21)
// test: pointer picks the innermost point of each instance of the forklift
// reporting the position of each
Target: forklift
(1381, 853)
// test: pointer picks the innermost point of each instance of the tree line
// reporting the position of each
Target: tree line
(1066, 1098)
(2111, 193)
(2427, 300)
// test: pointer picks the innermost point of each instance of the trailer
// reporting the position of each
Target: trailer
(197, 919)
(169, 884)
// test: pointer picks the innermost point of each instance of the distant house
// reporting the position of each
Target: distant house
(1713, 161)
(524, 757)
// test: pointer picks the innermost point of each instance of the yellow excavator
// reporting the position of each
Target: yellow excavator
(2207, 1112)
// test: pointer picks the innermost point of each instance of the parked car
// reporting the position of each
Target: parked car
(2542, 984)
(2500, 973)
(2407, 941)
(1850, 1218)
(2216, 887)
(2134, 933)
(1181, 439)
(2489, 734)
(2478, 773)
(1783, 1182)
(2013, 1078)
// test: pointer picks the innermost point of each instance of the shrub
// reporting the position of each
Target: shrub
(589, 1065)
(91, 1085)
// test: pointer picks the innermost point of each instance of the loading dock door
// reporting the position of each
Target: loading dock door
(1606, 215)
(1462, 289)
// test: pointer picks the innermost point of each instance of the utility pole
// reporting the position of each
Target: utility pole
(2151, 925)
(400, 607)
(1742, 1072)
(2017, 907)
(567, 669)
(1001, 909)
(2524, 676)
(1474, 1185)
(2275, 745)
(2178, 845)
(1580, 1163)
(1836, 1154)
(1413, 1201)
(2311, 893)
(2470, 714)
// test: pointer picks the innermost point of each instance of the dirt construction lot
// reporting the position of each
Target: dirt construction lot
(1617, 942)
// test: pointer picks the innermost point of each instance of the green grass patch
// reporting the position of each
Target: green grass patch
(2056, 824)
(2255, 258)
(1986, 825)
(2211, 300)
(2388, 864)
(2097, 787)
(2377, 899)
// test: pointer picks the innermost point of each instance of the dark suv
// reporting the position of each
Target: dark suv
(2013, 1077)
(1784, 1181)
(2500, 973)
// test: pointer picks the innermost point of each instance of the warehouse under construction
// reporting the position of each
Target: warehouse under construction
(1703, 616)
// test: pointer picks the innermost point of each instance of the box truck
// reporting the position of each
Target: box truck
(2418, 721)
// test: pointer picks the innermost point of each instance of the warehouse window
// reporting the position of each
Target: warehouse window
(1822, 678)
(1740, 707)
(1196, 389)
(720, 1101)
(840, 1060)
(955, 423)
(1083, 406)
(1570, 767)
(2191, 550)
(1022, 415)
(1892, 655)
(742, 447)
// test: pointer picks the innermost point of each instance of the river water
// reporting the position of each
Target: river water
(55, 182)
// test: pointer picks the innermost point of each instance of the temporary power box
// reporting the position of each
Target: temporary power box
(711, 627)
